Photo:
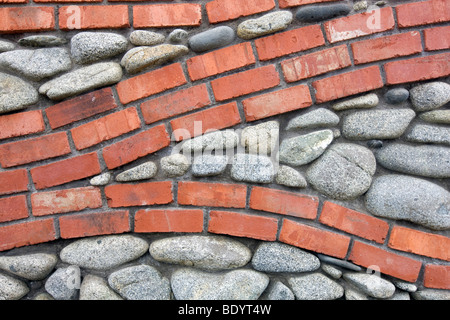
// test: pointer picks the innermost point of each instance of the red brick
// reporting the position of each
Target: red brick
(94, 224)
(22, 19)
(245, 82)
(388, 47)
(65, 171)
(13, 181)
(93, 17)
(437, 277)
(225, 195)
(347, 84)
(218, 61)
(161, 79)
(283, 202)
(354, 222)
(278, 102)
(13, 208)
(21, 124)
(176, 220)
(62, 201)
(419, 242)
(224, 10)
(13, 1)
(243, 225)
(216, 118)
(424, 12)
(311, 238)
(80, 108)
(316, 63)
(385, 262)
(65, 1)
(288, 42)
(176, 103)
(359, 25)
(437, 38)
(135, 147)
(142, 194)
(418, 69)
(106, 128)
(35, 149)
(26, 233)
(294, 3)
(167, 15)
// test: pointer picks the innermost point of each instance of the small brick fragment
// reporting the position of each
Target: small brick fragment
(176, 220)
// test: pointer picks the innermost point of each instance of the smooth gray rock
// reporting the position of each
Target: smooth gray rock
(261, 139)
(332, 271)
(363, 102)
(412, 199)
(209, 253)
(209, 165)
(321, 12)
(42, 41)
(430, 96)
(290, 177)
(141, 282)
(315, 286)
(267, 24)
(339, 262)
(146, 38)
(218, 141)
(82, 80)
(88, 47)
(64, 283)
(143, 171)
(425, 133)
(318, 118)
(351, 293)
(377, 124)
(431, 294)
(279, 291)
(422, 160)
(15, 94)
(212, 39)
(96, 288)
(397, 95)
(103, 253)
(371, 284)
(11, 288)
(101, 180)
(436, 116)
(252, 168)
(6, 46)
(175, 165)
(31, 266)
(242, 284)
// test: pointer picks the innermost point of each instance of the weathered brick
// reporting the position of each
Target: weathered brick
(13, 208)
(294, 3)
(35, 149)
(64, 171)
(174, 220)
(436, 277)
(284, 202)
(62, 201)
(243, 225)
(216, 118)
(437, 38)
(354, 222)
(26, 233)
(245, 82)
(288, 42)
(23, 19)
(93, 17)
(141, 194)
(13, 181)
(21, 124)
(226, 195)
(224, 10)
(176, 103)
(135, 147)
(421, 13)
(277, 102)
(218, 61)
(167, 15)
(311, 238)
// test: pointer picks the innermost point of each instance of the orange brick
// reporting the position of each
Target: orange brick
(212, 194)
(245, 82)
(243, 225)
(424, 12)
(36, 149)
(218, 61)
(385, 262)
(13, 181)
(354, 222)
(141, 194)
(224, 10)
(167, 15)
(361, 24)
(278, 102)
(419, 242)
(176, 103)
(106, 128)
(216, 118)
(62, 201)
(177, 220)
(288, 42)
(283, 202)
(294, 3)
(23, 19)
(93, 17)
(347, 84)
(135, 147)
(437, 38)
(13, 208)
(26, 233)
(94, 224)
(437, 277)
(21, 124)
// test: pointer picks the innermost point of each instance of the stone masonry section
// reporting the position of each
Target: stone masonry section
(225, 149)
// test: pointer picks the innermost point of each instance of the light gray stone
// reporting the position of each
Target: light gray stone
(15, 94)
(315, 286)
(371, 284)
(64, 283)
(143, 171)
(301, 150)
(218, 141)
(412, 199)
(42, 41)
(82, 80)
(318, 118)
(88, 47)
(31, 266)
(425, 133)
(332, 271)
(146, 38)
(252, 168)
(280, 291)
(267, 24)
(212, 39)
(11, 288)
(352, 293)
(6, 46)
(400, 296)
(360, 6)
(175, 165)
(209, 253)
(422, 160)
(320, 12)
(363, 102)
(430, 96)
(339, 262)
(290, 177)
(96, 288)
(397, 95)
(103, 253)
(209, 165)
(262, 138)
(141, 282)
(431, 294)
(101, 180)
(436, 116)
(242, 284)
(405, 286)
(178, 36)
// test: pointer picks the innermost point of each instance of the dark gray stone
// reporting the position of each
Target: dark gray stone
(339, 262)
(397, 95)
(212, 39)
(42, 41)
(321, 12)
